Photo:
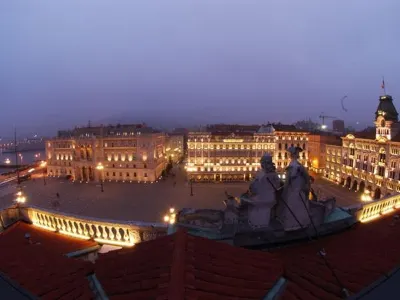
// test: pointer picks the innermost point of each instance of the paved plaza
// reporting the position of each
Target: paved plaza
(143, 202)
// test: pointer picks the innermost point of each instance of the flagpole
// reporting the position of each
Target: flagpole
(383, 86)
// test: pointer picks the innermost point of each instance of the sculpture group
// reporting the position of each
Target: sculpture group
(269, 204)
(285, 202)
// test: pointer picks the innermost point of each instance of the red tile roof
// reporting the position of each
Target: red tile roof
(359, 257)
(40, 267)
(57, 243)
(182, 266)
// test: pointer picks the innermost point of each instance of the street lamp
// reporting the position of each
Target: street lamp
(43, 165)
(366, 196)
(100, 167)
(170, 217)
(20, 197)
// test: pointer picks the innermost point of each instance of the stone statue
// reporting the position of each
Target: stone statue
(261, 197)
(295, 195)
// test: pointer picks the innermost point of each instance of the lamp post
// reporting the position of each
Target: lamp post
(366, 196)
(20, 197)
(191, 186)
(170, 219)
(100, 167)
(43, 165)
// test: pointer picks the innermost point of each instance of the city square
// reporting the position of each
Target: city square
(143, 202)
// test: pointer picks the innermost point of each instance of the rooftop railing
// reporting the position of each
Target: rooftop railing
(110, 232)
(375, 209)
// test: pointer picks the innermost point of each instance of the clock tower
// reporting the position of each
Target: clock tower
(386, 118)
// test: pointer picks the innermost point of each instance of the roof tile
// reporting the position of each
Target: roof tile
(182, 266)
(40, 267)
(57, 243)
(357, 256)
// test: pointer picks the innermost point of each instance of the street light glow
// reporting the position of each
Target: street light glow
(170, 217)
(20, 197)
(366, 197)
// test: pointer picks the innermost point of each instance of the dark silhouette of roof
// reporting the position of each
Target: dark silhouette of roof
(386, 105)
(288, 128)
(232, 128)
(369, 134)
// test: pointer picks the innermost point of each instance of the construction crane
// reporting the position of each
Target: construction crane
(323, 117)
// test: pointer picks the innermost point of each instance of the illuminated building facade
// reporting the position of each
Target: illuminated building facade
(334, 162)
(370, 159)
(317, 149)
(175, 147)
(128, 153)
(233, 152)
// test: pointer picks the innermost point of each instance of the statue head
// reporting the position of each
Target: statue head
(266, 163)
(294, 152)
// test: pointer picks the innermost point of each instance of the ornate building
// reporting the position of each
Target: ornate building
(233, 152)
(317, 149)
(370, 159)
(119, 153)
(175, 147)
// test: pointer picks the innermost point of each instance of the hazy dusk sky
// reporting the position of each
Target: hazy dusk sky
(63, 63)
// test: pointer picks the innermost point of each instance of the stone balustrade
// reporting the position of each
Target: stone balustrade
(118, 233)
(375, 209)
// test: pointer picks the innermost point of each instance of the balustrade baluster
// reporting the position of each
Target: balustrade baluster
(126, 235)
(53, 222)
(118, 235)
(105, 235)
(91, 232)
(58, 223)
(98, 233)
(111, 233)
(80, 231)
(74, 227)
(38, 218)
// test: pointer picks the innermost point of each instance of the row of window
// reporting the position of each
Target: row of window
(127, 143)
(127, 174)
(279, 137)
(286, 146)
(232, 147)
(127, 166)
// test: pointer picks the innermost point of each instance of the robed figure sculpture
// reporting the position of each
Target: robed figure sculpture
(293, 209)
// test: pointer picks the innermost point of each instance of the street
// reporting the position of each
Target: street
(344, 197)
(139, 201)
